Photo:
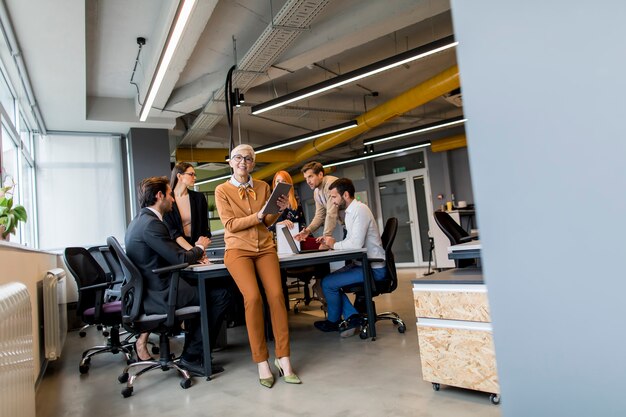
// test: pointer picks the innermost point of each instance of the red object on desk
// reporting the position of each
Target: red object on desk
(309, 244)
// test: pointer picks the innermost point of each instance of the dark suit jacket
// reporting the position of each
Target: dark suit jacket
(149, 246)
(199, 218)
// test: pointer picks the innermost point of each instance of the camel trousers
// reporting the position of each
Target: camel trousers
(244, 266)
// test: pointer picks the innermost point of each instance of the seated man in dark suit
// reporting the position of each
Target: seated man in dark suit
(149, 246)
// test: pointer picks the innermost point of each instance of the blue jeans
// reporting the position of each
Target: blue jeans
(338, 303)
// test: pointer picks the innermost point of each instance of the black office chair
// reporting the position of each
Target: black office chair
(385, 286)
(93, 308)
(303, 277)
(135, 321)
(456, 234)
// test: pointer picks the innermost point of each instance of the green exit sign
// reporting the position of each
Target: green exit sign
(399, 169)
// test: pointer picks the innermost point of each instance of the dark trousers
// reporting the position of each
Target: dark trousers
(218, 301)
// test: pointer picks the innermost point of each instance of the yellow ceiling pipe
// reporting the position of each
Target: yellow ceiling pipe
(446, 144)
(219, 155)
(427, 91)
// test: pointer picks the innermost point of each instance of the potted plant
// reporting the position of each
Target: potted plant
(10, 215)
(211, 208)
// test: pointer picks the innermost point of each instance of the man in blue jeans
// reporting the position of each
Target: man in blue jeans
(362, 232)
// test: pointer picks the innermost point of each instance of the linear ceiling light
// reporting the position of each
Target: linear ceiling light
(307, 136)
(213, 179)
(414, 131)
(392, 62)
(376, 155)
(176, 32)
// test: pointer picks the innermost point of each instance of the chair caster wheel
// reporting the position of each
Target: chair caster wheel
(185, 383)
(495, 399)
(401, 328)
(123, 378)
(105, 333)
(436, 386)
(363, 333)
(296, 310)
(82, 334)
(155, 350)
(127, 392)
(83, 369)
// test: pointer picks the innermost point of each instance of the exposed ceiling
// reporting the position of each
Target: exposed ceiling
(80, 57)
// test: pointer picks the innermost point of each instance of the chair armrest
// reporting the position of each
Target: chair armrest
(170, 268)
(101, 285)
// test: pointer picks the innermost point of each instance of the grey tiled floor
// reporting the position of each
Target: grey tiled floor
(341, 377)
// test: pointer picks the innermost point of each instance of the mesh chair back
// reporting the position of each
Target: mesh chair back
(86, 272)
(132, 289)
(388, 237)
(449, 227)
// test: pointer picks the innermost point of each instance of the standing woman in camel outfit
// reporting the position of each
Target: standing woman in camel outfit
(251, 252)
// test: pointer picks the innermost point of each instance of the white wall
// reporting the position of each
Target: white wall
(543, 89)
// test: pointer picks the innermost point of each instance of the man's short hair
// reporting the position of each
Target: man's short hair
(315, 166)
(342, 185)
(149, 188)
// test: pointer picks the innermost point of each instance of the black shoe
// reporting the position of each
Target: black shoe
(351, 326)
(196, 368)
(327, 325)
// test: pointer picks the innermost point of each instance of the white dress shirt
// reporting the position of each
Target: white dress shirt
(362, 233)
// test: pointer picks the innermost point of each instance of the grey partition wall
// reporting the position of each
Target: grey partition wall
(543, 89)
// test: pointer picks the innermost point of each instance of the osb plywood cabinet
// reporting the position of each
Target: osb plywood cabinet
(454, 331)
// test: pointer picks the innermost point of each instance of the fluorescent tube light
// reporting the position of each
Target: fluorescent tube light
(172, 43)
(352, 76)
(362, 158)
(213, 179)
(414, 131)
(307, 136)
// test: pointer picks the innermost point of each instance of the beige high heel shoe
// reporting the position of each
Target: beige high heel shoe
(290, 379)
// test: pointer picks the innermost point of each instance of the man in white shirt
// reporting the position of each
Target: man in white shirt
(362, 232)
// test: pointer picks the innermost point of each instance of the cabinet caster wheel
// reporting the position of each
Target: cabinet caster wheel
(123, 378)
(127, 392)
(83, 369)
(296, 310)
(185, 383)
(436, 386)
(495, 399)
(401, 328)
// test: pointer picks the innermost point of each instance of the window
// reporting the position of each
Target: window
(80, 190)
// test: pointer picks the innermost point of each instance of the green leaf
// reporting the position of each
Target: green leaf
(20, 213)
(4, 202)
(9, 203)
(11, 222)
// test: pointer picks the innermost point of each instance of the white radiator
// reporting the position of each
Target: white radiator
(54, 312)
(17, 365)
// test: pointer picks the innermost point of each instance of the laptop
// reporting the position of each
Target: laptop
(294, 247)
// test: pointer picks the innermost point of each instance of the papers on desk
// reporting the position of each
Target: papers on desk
(203, 267)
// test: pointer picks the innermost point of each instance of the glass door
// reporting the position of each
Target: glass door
(405, 196)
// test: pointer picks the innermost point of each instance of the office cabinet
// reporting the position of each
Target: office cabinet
(454, 331)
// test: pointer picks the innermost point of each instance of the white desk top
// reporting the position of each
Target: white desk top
(284, 257)
(472, 245)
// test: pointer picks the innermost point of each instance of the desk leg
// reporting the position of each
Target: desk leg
(204, 322)
(367, 289)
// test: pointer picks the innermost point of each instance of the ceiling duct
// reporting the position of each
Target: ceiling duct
(286, 26)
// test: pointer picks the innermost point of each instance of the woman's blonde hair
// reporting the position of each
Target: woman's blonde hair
(293, 203)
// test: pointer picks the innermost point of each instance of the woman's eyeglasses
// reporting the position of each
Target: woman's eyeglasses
(191, 174)
(238, 158)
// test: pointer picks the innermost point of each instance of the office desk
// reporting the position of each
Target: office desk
(468, 250)
(286, 261)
